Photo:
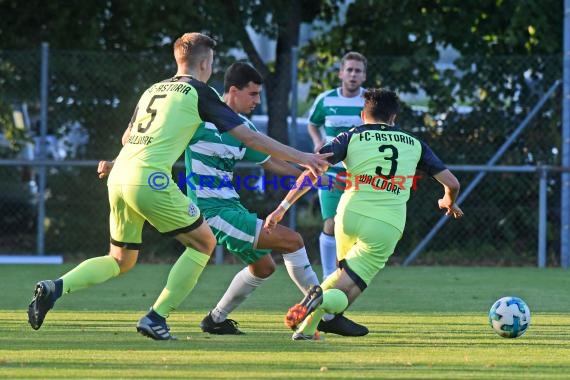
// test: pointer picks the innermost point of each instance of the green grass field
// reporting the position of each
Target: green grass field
(425, 322)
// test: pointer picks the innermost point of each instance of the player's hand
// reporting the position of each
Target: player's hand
(274, 218)
(316, 163)
(104, 168)
(451, 207)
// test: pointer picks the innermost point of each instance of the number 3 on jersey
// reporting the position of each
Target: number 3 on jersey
(393, 159)
(149, 110)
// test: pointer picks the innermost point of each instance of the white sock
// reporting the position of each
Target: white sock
(328, 317)
(300, 269)
(327, 243)
(241, 287)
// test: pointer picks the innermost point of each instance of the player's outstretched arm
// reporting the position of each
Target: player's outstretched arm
(451, 190)
(300, 188)
(316, 163)
(277, 166)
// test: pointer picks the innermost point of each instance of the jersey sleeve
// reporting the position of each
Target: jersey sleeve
(429, 161)
(338, 146)
(317, 112)
(211, 108)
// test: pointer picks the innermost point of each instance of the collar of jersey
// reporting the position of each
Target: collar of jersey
(379, 126)
(177, 78)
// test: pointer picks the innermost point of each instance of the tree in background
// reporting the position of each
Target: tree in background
(409, 33)
(104, 53)
(151, 26)
(403, 41)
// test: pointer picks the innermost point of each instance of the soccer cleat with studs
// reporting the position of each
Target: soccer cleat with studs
(154, 329)
(42, 302)
(299, 312)
(226, 327)
(341, 325)
(300, 336)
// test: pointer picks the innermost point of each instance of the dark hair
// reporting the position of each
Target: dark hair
(353, 56)
(239, 74)
(380, 104)
(191, 48)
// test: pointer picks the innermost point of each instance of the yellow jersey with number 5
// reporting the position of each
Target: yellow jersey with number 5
(165, 119)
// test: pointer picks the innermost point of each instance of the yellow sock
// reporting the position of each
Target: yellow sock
(334, 301)
(90, 272)
(181, 280)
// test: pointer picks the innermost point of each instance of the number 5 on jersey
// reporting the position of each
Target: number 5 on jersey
(149, 110)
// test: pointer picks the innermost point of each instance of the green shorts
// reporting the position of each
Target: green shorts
(168, 210)
(329, 201)
(238, 230)
(364, 243)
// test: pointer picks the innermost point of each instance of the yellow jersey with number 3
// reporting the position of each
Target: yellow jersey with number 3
(381, 163)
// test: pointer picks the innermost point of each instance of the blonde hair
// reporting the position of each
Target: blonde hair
(353, 56)
(191, 48)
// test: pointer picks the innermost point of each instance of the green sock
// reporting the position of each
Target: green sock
(181, 280)
(334, 301)
(90, 272)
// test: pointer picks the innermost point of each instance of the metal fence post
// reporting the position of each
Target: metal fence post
(565, 176)
(542, 207)
(44, 80)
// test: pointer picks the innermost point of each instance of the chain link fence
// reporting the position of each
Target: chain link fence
(465, 111)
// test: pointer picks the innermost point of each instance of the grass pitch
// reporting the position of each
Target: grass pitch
(424, 323)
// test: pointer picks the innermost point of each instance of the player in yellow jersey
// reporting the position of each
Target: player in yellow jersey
(141, 188)
(381, 162)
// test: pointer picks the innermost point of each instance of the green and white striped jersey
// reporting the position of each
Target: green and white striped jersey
(336, 114)
(210, 161)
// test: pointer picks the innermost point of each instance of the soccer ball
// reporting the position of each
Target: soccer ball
(509, 317)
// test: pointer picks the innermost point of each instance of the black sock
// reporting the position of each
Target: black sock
(153, 315)
(58, 288)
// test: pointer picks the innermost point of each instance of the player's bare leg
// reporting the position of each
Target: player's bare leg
(248, 279)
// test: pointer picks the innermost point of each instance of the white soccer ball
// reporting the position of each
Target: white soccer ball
(509, 317)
